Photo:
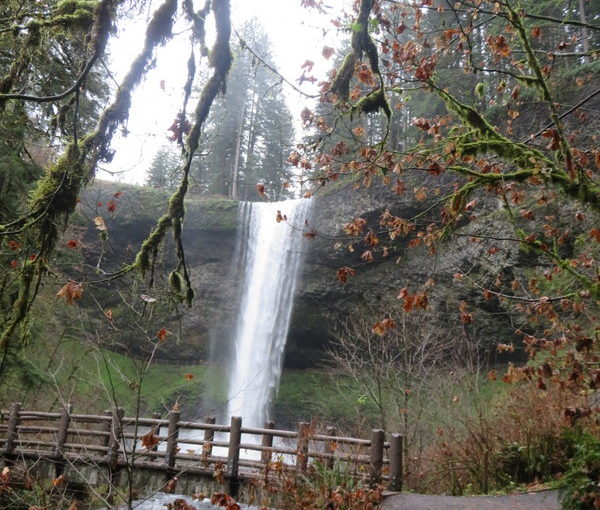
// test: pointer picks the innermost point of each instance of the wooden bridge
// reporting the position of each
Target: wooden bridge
(201, 456)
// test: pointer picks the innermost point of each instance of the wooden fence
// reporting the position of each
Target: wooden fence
(174, 445)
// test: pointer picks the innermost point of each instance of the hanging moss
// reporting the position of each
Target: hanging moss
(176, 282)
(341, 83)
(372, 102)
(20, 307)
(221, 61)
(362, 44)
(150, 246)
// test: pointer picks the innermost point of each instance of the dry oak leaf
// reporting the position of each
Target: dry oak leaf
(70, 292)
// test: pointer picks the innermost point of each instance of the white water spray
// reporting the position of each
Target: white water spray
(271, 261)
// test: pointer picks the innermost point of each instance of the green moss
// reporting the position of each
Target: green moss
(71, 6)
(372, 102)
(213, 213)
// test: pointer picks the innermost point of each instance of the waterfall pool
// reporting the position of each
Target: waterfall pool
(160, 501)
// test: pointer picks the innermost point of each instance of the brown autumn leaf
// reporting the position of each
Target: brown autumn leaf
(425, 69)
(388, 323)
(162, 334)
(378, 329)
(111, 206)
(327, 52)
(465, 317)
(343, 273)
(399, 187)
(188, 377)
(260, 188)
(59, 481)
(505, 348)
(307, 117)
(359, 131)
(499, 46)
(308, 65)
(171, 485)
(149, 440)
(371, 239)
(70, 292)
(367, 256)
(73, 244)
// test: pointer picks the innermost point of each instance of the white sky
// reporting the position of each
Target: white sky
(296, 34)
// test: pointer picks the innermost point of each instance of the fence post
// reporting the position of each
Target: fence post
(63, 426)
(376, 457)
(328, 446)
(302, 447)
(155, 429)
(116, 434)
(61, 438)
(172, 436)
(11, 429)
(233, 456)
(209, 437)
(267, 442)
(395, 463)
(106, 427)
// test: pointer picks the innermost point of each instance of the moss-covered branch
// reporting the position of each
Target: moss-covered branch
(362, 44)
(220, 59)
(55, 195)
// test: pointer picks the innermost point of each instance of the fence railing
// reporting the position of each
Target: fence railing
(176, 445)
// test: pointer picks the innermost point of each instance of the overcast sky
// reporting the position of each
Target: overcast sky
(296, 34)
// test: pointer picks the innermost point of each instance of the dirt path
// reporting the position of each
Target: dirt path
(541, 500)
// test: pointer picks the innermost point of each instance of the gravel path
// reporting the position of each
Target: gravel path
(541, 500)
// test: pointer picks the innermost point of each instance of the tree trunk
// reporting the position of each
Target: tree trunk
(236, 160)
(584, 30)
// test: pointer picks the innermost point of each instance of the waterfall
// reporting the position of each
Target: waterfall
(270, 258)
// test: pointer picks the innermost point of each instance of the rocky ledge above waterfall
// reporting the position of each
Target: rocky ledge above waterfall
(321, 300)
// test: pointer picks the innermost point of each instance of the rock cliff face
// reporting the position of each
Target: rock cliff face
(372, 293)
(321, 301)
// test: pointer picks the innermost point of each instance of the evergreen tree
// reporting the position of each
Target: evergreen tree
(250, 132)
(165, 170)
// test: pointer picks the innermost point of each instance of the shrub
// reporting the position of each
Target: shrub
(580, 487)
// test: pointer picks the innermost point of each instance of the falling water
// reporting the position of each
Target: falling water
(271, 260)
